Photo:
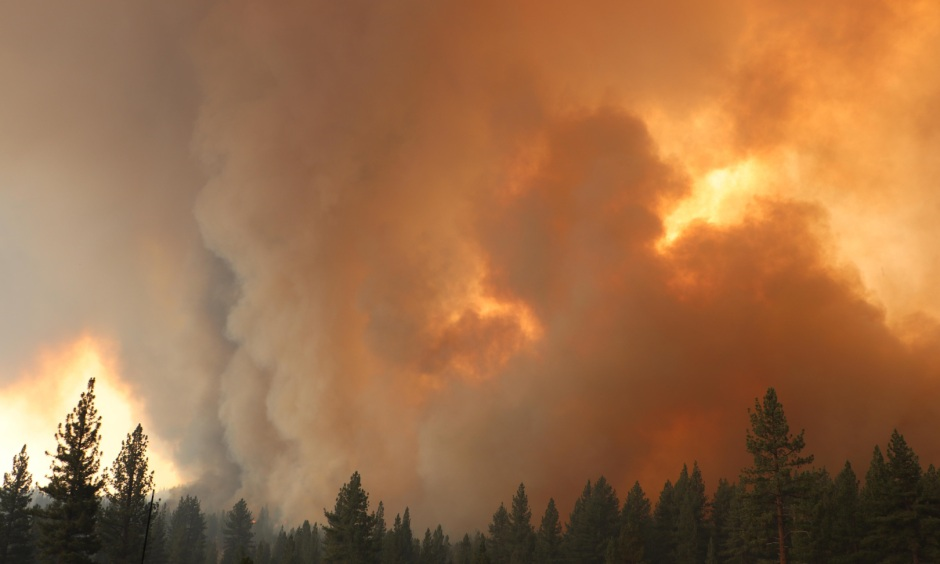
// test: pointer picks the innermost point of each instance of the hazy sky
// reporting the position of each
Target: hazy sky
(458, 245)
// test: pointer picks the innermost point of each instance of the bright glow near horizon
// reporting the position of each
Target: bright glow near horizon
(38, 400)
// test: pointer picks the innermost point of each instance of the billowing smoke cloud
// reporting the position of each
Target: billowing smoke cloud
(446, 221)
(96, 231)
(479, 243)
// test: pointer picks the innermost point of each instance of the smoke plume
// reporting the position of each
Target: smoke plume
(459, 245)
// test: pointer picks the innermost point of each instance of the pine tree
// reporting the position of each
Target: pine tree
(846, 517)
(378, 537)
(594, 523)
(776, 460)
(751, 531)
(900, 522)
(69, 524)
(350, 527)
(187, 532)
(124, 518)
(16, 543)
(464, 552)
(665, 523)
(522, 536)
(873, 501)
(499, 549)
(636, 526)
(436, 547)
(811, 518)
(691, 538)
(399, 543)
(718, 517)
(548, 547)
(157, 540)
(929, 509)
(238, 539)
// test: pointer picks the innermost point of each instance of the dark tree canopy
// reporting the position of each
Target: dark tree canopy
(69, 525)
(594, 523)
(777, 458)
(350, 528)
(186, 538)
(15, 518)
(548, 546)
(238, 539)
(124, 518)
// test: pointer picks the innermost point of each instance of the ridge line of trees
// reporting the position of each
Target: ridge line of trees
(781, 509)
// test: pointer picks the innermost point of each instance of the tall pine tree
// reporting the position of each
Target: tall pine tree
(548, 549)
(124, 518)
(594, 523)
(777, 459)
(350, 528)
(522, 536)
(500, 545)
(186, 537)
(69, 525)
(636, 527)
(16, 543)
(238, 539)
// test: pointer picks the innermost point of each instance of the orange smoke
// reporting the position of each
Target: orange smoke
(482, 243)
(460, 245)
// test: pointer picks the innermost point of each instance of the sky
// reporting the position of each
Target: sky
(461, 245)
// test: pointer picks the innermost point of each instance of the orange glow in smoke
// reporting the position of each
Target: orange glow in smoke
(32, 407)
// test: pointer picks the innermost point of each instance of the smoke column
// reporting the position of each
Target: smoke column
(460, 245)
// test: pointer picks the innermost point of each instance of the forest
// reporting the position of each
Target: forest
(779, 509)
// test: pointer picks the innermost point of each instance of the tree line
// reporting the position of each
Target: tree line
(780, 509)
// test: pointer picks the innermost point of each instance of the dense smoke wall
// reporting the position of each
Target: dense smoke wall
(459, 245)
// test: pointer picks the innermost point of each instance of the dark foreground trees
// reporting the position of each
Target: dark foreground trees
(777, 511)
(124, 518)
(350, 529)
(15, 516)
(238, 539)
(69, 531)
(777, 460)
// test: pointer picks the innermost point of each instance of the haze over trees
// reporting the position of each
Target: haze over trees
(780, 510)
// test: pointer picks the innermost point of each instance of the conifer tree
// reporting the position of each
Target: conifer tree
(636, 525)
(350, 528)
(548, 547)
(929, 509)
(777, 458)
(399, 545)
(124, 518)
(872, 499)
(522, 536)
(69, 525)
(500, 545)
(436, 547)
(307, 539)
(718, 517)
(594, 523)
(900, 521)
(751, 533)
(16, 543)
(665, 523)
(481, 556)
(846, 523)
(378, 536)
(237, 536)
(187, 532)
(691, 539)
(157, 541)
(811, 518)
